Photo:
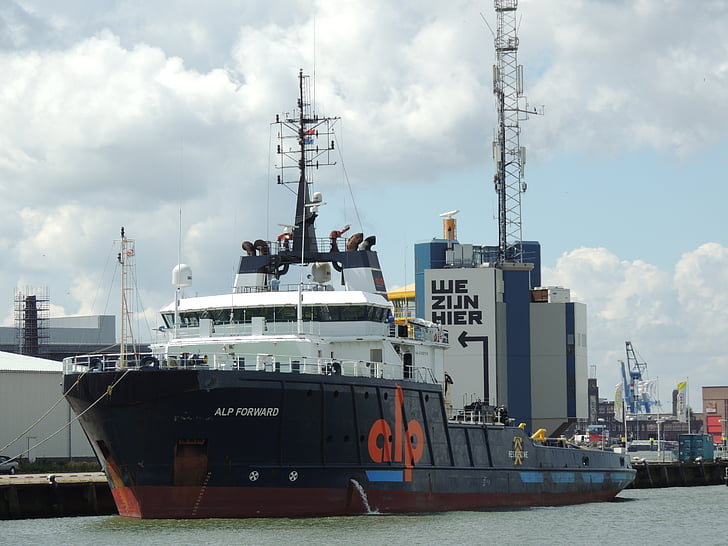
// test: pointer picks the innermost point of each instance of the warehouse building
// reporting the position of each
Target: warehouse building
(35, 419)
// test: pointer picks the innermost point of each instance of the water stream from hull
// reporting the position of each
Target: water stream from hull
(363, 495)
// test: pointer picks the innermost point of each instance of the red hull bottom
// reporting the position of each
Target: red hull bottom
(233, 502)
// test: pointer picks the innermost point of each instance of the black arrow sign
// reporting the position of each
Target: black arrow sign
(463, 339)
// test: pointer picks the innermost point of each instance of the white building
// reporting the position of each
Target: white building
(30, 388)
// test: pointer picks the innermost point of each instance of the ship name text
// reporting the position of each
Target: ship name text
(247, 412)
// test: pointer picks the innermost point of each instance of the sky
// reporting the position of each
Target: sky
(156, 116)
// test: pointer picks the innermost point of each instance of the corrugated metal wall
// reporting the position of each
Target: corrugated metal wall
(24, 397)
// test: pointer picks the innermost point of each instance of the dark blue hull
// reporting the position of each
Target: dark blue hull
(217, 443)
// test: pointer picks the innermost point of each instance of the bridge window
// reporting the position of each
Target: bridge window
(284, 313)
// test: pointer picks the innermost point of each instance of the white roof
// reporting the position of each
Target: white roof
(11, 362)
(267, 299)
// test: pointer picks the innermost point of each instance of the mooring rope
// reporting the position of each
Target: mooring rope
(44, 415)
(108, 392)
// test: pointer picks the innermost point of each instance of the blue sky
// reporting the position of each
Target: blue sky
(126, 113)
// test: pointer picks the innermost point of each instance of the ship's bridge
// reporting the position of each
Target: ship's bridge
(235, 313)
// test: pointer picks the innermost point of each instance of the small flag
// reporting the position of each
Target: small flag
(310, 132)
(618, 403)
(681, 407)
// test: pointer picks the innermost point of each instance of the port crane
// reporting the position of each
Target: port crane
(636, 388)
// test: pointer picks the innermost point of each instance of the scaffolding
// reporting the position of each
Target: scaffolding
(32, 317)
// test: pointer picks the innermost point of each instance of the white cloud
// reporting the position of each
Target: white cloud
(637, 75)
(112, 118)
(700, 278)
(678, 321)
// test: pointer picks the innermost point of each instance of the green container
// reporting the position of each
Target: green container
(695, 446)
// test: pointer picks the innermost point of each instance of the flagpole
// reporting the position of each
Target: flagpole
(624, 420)
(659, 409)
(687, 404)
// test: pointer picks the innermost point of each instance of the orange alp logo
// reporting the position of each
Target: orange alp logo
(407, 444)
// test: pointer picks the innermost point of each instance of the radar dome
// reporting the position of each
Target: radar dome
(321, 272)
(182, 276)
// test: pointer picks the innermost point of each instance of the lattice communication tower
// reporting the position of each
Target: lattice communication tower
(508, 155)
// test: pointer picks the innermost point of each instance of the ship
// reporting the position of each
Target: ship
(298, 394)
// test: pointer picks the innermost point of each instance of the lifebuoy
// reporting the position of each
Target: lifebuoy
(335, 368)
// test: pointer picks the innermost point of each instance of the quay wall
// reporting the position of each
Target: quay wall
(676, 474)
(21, 499)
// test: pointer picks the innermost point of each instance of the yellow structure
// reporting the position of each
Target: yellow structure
(403, 300)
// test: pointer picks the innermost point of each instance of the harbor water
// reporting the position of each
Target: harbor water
(638, 516)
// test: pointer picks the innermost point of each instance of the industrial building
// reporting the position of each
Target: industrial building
(715, 409)
(31, 376)
(512, 342)
(35, 420)
(37, 334)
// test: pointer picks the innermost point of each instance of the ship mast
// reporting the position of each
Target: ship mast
(126, 260)
(305, 143)
(312, 151)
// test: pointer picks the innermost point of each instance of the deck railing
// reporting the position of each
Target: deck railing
(264, 363)
(390, 330)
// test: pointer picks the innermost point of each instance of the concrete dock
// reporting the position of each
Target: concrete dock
(62, 495)
(675, 474)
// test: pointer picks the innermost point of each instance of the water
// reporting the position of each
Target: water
(689, 515)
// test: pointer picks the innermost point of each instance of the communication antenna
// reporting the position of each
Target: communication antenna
(508, 155)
